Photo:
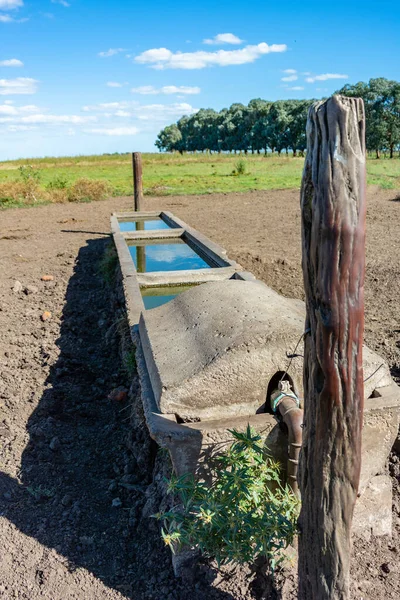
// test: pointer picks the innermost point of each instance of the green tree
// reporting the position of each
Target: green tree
(169, 139)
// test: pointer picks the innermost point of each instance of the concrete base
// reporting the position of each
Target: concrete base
(206, 361)
(191, 445)
(373, 510)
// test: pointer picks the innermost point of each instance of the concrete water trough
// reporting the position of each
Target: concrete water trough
(210, 357)
(161, 263)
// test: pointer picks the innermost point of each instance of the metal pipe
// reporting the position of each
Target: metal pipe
(292, 416)
(285, 402)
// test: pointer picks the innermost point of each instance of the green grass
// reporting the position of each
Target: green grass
(172, 174)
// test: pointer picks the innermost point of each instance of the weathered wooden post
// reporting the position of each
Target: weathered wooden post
(137, 180)
(333, 246)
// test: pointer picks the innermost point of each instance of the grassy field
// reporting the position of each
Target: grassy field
(167, 174)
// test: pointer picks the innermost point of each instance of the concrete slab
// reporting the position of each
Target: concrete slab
(212, 352)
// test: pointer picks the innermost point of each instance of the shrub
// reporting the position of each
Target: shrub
(29, 174)
(88, 190)
(244, 513)
(25, 191)
(240, 167)
(57, 195)
(11, 191)
(58, 183)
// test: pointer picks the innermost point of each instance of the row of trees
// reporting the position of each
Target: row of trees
(281, 125)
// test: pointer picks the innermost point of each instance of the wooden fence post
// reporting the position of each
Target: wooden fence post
(333, 247)
(137, 180)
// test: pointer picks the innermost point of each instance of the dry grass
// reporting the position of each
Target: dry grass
(29, 192)
(89, 190)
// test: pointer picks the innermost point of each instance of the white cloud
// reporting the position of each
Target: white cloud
(163, 112)
(12, 62)
(105, 106)
(62, 2)
(75, 119)
(10, 109)
(111, 52)
(6, 109)
(290, 71)
(224, 38)
(296, 88)
(114, 84)
(20, 85)
(162, 58)
(325, 77)
(115, 131)
(151, 113)
(10, 4)
(290, 78)
(37, 119)
(146, 90)
(15, 128)
(9, 19)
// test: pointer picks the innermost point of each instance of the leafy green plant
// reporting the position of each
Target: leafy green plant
(130, 362)
(29, 186)
(240, 168)
(244, 513)
(29, 174)
(108, 263)
(58, 183)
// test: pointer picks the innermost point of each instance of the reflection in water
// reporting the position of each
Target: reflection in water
(156, 296)
(154, 301)
(143, 225)
(174, 256)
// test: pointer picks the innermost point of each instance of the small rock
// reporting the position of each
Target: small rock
(30, 289)
(386, 568)
(18, 287)
(119, 394)
(55, 444)
(113, 486)
(66, 500)
(46, 315)
(47, 278)
(116, 503)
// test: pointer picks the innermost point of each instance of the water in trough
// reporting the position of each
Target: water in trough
(175, 255)
(143, 225)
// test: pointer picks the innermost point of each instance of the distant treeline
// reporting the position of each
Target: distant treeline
(281, 126)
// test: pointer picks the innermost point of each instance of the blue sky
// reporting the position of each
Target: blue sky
(85, 76)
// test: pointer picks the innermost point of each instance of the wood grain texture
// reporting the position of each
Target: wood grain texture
(137, 180)
(333, 204)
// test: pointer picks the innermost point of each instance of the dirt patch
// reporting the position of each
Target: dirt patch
(71, 491)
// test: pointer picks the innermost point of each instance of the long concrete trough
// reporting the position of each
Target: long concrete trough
(210, 356)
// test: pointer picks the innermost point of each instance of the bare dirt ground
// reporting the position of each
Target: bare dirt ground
(70, 494)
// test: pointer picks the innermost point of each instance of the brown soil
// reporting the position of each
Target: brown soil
(71, 492)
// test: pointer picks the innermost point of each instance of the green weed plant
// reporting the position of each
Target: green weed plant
(244, 513)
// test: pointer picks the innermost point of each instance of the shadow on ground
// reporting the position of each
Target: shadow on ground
(72, 491)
